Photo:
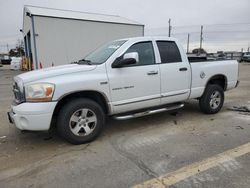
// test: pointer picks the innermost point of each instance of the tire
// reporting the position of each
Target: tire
(212, 99)
(80, 121)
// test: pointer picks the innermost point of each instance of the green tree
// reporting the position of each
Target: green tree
(12, 52)
(16, 52)
(19, 50)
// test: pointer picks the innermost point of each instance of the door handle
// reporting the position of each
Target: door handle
(183, 69)
(152, 72)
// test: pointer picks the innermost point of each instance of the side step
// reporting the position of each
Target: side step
(148, 112)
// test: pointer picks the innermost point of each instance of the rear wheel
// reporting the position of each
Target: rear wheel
(80, 121)
(212, 100)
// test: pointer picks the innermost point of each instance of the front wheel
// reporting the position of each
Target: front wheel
(212, 100)
(80, 121)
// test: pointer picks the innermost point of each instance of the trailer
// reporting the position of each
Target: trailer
(55, 37)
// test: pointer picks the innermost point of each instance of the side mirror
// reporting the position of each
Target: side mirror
(128, 59)
(133, 55)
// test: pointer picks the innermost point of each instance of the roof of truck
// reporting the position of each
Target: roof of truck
(77, 15)
(151, 38)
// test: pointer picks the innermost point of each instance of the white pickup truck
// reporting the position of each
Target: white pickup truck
(124, 79)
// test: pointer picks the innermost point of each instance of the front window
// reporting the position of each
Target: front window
(101, 54)
(145, 51)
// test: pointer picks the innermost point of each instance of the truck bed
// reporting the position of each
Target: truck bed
(203, 71)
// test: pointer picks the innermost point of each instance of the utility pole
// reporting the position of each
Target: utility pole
(169, 27)
(188, 43)
(201, 39)
(248, 48)
(8, 48)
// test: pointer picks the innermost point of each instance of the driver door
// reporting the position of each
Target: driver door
(136, 86)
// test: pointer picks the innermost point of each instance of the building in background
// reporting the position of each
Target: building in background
(56, 37)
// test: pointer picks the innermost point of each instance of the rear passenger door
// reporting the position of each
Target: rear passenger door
(175, 73)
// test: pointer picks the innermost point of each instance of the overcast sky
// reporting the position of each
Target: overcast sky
(226, 22)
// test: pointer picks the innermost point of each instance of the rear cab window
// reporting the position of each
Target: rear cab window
(169, 52)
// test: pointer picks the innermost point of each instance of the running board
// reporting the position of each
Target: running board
(148, 112)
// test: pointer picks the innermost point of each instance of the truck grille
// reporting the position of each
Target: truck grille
(19, 98)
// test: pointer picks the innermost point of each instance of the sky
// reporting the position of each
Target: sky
(226, 22)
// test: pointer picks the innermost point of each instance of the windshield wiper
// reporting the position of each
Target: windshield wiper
(85, 61)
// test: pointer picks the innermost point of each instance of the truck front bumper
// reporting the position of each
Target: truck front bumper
(32, 116)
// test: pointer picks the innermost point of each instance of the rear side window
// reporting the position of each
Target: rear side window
(169, 52)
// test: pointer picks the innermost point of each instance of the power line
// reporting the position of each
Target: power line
(208, 25)
(235, 31)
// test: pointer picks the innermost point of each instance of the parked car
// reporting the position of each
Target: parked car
(123, 79)
(6, 60)
(245, 58)
(15, 63)
(221, 56)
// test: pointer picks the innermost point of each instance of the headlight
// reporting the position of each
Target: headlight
(42, 92)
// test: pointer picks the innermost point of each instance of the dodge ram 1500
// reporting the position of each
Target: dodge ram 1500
(124, 79)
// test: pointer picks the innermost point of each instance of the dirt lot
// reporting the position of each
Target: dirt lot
(188, 150)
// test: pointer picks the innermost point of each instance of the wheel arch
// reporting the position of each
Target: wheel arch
(96, 96)
(218, 79)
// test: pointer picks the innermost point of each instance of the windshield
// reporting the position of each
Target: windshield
(100, 55)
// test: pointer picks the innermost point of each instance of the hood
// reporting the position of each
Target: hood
(53, 71)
